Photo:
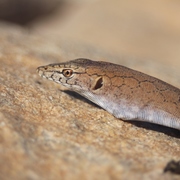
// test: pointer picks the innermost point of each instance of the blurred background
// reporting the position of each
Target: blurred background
(141, 29)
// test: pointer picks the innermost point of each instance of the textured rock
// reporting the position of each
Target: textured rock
(46, 133)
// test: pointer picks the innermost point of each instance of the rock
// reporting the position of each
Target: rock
(47, 133)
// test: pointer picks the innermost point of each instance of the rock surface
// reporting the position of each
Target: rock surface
(47, 133)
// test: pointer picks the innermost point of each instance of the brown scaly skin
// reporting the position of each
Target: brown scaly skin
(125, 93)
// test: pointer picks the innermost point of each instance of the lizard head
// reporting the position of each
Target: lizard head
(76, 75)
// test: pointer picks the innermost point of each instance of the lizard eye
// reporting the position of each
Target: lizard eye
(67, 72)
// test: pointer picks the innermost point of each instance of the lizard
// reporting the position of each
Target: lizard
(125, 93)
